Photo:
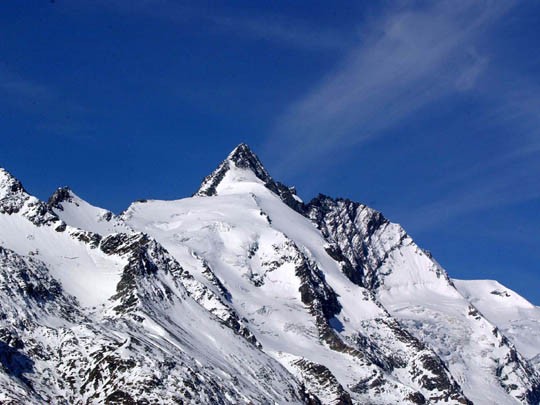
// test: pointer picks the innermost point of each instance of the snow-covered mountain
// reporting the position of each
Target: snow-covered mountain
(243, 293)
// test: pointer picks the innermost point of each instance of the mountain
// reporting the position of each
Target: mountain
(243, 293)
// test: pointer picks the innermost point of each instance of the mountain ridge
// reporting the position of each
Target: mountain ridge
(328, 295)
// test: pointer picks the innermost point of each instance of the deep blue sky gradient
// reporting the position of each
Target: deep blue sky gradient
(429, 112)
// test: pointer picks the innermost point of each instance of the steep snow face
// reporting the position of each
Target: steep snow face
(277, 273)
(149, 340)
(51, 351)
(416, 290)
(72, 257)
(78, 213)
(517, 318)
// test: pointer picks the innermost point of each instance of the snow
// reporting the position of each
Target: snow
(433, 310)
(517, 318)
(174, 331)
(245, 216)
(88, 274)
(236, 255)
(80, 214)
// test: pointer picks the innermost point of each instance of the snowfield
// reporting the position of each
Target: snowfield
(243, 293)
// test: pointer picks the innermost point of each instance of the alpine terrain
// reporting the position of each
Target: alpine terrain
(245, 294)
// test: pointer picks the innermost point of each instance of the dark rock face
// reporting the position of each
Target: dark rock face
(209, 274)
(15, 363)
(145, 258)
(90, 238)
(438, 381)
(346, 267)
(320, 378)
(315, 292)
(350, 227)
(62, 194)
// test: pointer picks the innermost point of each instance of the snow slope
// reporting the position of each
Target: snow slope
(243, 293)
(239, 229)
(517, 318)
(92, 319)
(256, 262)
(415, 289)
(28, 227)
(78, 213)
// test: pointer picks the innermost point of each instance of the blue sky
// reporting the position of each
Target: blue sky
(429, 112)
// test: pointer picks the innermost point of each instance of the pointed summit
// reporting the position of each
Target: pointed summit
(15, 199)
(12, 193)
(62, 194)
(9, 185)
(243, 158)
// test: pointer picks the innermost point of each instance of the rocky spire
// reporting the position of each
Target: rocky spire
(244, 158)
(9, 185)
(12, 193)
(62, 194)
(14, 199)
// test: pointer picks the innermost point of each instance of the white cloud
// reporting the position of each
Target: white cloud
(407, 59)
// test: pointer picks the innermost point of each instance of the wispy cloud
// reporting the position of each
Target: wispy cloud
(408, 58)
(22, 90)
(274, 28)
(513, 186)
(470, 74)
(509, 178)
(294, 34)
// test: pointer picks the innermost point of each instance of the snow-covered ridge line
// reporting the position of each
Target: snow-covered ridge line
(244, 293)
(138, 346)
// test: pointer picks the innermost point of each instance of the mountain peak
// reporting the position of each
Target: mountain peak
(242, 151)
(9, 184)
(62, 194)
(15, 199)
(241, 148)
(242, 157)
